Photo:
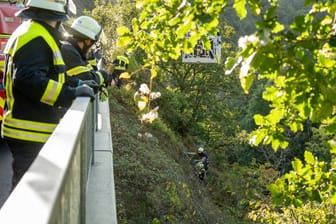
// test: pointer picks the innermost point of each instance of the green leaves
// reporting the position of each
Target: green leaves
(309, 158)
(239, 6)
(306, 182)
(298, 63)
(126, 39)
(298, 60)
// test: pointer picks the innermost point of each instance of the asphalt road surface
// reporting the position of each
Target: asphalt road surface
(5, 171)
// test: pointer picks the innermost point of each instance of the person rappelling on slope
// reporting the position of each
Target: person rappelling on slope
(201, 162)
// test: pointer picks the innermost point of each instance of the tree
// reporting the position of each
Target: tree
(294, 59)
(298, 61)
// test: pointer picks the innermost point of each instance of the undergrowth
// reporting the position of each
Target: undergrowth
(154, 182)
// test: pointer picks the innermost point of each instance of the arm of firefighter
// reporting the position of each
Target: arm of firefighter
(77, 67)
(31, 76)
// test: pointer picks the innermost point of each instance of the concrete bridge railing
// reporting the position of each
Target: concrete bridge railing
(54, 188)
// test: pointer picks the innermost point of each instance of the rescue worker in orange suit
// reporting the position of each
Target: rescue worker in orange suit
(35, 82)
(83, 33)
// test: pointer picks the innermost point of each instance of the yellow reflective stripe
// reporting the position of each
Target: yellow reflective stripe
(77, 70)
(120, 67)
(2, 102)
(58, 59)
(101, 78)
(29, 125)
(26, 130)
(4, 35)
(2, 63)
(89, 66)
(93, 62)
(8, 86)
(24, 135)
(61, 78)
(123, 58)
(20, 37)
(51, 92)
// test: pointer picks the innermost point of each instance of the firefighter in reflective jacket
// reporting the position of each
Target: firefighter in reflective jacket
(83, 33)
(34, 82)
(120, 65)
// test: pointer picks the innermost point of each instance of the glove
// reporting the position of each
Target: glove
(84, 90)
(90, 83)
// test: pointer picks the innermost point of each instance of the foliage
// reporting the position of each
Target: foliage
(295, 61)
(309, 182)
(303, 57)
(307, 194)
(110, 16)
(302, 74)
(237, 192)
(194, 101)
(157, 32)
(288, 69)
(318, 144)
(308, 213)
(153, 182)
(256, 104)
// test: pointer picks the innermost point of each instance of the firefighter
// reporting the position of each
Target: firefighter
(120, 65)
(83, 33)
(94, 56)
(203, 157)
(34, 82)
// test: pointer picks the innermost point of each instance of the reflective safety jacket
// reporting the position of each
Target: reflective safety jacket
(3, 38)
(34, 83)
(77, 65)
(93, 58)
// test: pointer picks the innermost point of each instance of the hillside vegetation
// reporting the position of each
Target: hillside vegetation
(154, 181)
(268, 126)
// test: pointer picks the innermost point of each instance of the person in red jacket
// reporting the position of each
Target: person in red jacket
(35, 82)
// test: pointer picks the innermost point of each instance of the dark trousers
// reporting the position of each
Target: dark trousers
(24, 153)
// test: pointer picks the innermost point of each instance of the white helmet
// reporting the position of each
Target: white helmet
(51, 10)
(85, 26)
(200, 149)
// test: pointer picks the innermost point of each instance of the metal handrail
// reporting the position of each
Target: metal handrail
(53, 189)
